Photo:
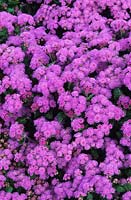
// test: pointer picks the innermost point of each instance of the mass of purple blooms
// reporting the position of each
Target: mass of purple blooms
(65, 100)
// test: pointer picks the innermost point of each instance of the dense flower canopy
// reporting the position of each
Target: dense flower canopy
(65, 100)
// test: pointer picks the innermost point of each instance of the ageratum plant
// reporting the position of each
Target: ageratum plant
(65, 100)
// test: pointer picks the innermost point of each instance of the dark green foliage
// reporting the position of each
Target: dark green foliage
(97, 154)
(61, 117)
(89, 197)
(121, 34)
(30, 127)
(107, 13)
(93, 196)
(33, 177)
(29, 8)
(36, 114)
(89, 97)
(3, 35)
(49, 115)
(123, 188)
(60, 31)
(17, 30)
(126, 172)
(55, 2)
(126, 91)
(22, 120)
(20, 190)
(9, 189)
(9, 5)
(22, 141)
(117, 92)
(3, 95)
(122, 53)
(68, 86)
(9, 185)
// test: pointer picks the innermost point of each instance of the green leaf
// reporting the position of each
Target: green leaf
(9, 189)
(70, 86)
(21, 190)
(49, 64)
(27, 61)
(24, 48)
(89, 197)
(20, 164)
(9, 91)
(61, 116)
(129, 172)
(94, 153)
(119, 135)
(123, 188)
(22, 141)
(17, 30)
(89, 97)
(117, 93)
(22, 120)
(94, 196)
(10, 10)
(49, 115)
(4, 171)
(128, 114)
(13, 3)
(37, 114)
(56, 2)
(33, 177)
(127, 187)
(3, 35)
(10, 181)
(120, 188)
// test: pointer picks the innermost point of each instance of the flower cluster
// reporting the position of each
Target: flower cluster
(41, 162)
(65, 100)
